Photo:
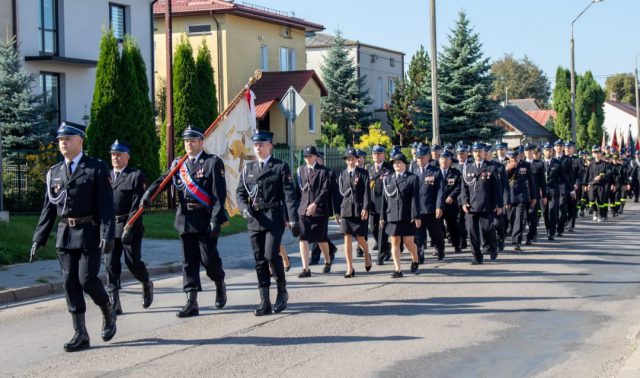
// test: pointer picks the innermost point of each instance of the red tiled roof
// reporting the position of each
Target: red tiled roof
(196, 7)
(627, 108)
(273, 85)
(541, 116)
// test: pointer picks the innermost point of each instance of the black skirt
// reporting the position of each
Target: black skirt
(354, 226)
(313, 229)
(402, 228)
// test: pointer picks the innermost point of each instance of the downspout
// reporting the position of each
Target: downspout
(219, 52)
(14, 19)
(153, 59)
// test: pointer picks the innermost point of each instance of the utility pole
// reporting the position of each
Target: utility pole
(435, 112)
(637, 99)
(169, 116)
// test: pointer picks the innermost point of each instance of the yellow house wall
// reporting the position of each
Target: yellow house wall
(278, 124)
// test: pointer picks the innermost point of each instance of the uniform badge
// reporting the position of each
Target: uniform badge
(179, 181)
(451, 181)
(201, 161)
(57, 185)
(200, 173)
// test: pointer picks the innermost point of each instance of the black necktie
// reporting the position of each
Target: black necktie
(115, 175)
(69, 169)
(261, 165)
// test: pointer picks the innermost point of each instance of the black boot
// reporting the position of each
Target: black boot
(264, 308)
(80, 340)
(281, 298)
(147, 294)
(108, 322)
(221, 295)
(191, 307)
(114, 297)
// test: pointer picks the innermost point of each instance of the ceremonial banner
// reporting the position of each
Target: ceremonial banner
(231, 141)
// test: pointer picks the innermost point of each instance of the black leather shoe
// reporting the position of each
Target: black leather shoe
(517, 247)
(457, 250)
(360, 252)
(560, 233)
(306, 273)
(528, 242)
(397, 275)
(501, 246)
(264, 308)
(191, 307)
(380, 259)
(414, 267)
(327, 268)
(109, 318)
(421, 257)
(114, 298)
(350, 275)
(550, 238)
(441, 256)
(147, 294)
(282, 298)
(221, 295)
(463, 244)
(80, 339)
(476, 262)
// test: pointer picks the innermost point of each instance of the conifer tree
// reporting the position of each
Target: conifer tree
(562, 104)
(185, 93)
(207, 101)
(465, 85)
(22, 124)
(105, 120)
(346, 102)
(589, 101)
(419, 92)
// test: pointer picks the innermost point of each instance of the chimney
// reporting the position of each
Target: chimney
(613, 97)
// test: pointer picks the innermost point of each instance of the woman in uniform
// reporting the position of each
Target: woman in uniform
(401, 212)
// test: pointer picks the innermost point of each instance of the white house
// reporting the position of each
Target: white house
(380, 67)
(618, 116)
(59, 42)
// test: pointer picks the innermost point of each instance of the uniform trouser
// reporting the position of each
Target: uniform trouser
(533, 218)
(200, 249)
(428, 222)
(266, 251)
(616, 199)
(563, 209)
(517, 219)
(551, 211)
(635, 186)
(462, 224)
(501, 223)
(80, 269)
(573, 208)
(584, 199)
(132, 257)
(451, 221)
(384, 247)
(481, 224)
(598, 199)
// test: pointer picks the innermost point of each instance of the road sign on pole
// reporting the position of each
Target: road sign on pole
(291, 106)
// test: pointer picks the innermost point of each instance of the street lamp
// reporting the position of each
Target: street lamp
(573, 73)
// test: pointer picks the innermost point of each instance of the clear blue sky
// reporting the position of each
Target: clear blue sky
(606, 37)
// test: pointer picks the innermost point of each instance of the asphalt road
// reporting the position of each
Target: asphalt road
(563, 309)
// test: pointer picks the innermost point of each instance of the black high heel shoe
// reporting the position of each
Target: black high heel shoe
(287, 266)
(397, 274)
(368, 267)
(414, 267)
(350, 275)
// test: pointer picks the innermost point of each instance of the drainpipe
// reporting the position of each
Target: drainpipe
(219, 70)
(153, 59)
(14, 19)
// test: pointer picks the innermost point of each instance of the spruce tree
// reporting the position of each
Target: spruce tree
(207, 101)
(346, 102)
(185, 93)
(399, 114)
(465, 85)
(105, 120)
(22, 123)
(595, 130)
(562, 104)
(589, 101)
(137, 111)
(419, 93)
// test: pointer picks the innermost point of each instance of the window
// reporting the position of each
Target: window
(287, 59)
(391, 86)
(264, 58)
(50, 87)
(48, 27)
(378, 104)
(117, 21)
(392, 62)
(199, 29)
(312, 118)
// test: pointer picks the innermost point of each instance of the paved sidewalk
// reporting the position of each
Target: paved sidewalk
(26, 281)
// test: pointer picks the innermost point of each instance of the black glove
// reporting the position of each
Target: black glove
(246, 214)
(295, 229)
(34, 249)
(145, 201)
(106, 246)
(214, 230)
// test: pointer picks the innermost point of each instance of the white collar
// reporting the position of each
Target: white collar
(195, 157)
(75, 160)
(312, 166)
(265, 160)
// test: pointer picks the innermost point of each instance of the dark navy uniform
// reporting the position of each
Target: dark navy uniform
(315, 187)
(79, 193)
(634, 176)
(501, 221)
(538, 172)
(376, 175)
(432, 190)
(598, 177)
(566, 187)
(354, 189)
(452, 181)
(553, 177)
(575, 176)
(265, 193)
(523, 190)
(401, 203)
(482, 193)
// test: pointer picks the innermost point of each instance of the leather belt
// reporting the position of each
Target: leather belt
(122, 218)
(77, 221)
(265, 206)
(190, 206)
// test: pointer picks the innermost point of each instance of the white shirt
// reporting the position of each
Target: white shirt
(194, 158)
(311, 167)
(479, 163)
(75, 160)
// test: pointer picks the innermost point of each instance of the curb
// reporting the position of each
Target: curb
(36, 291)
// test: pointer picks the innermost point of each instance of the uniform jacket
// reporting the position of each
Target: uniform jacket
(522, 183)
(634, 174)
(128, 189)
(598, 168)
(482, 187)
(452, 186)
(88, 193)
(208, 173)
(432, 189)
(315, 187)
(577, 170)
(354, 190)
(537, 169)
(566, 184)
(267, 194)
(375, 185)
(401, 197)
(502, 172)
(553, 174)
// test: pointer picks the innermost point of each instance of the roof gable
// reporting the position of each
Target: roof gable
(519, 120)
(623, 106)
(272, 86)
(525, 103)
